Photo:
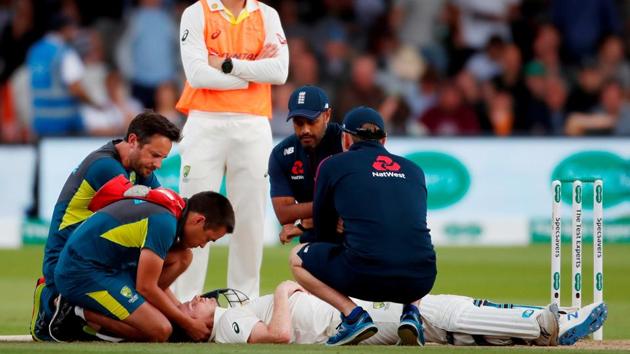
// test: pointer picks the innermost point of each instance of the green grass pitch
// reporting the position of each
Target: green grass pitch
(515, 274)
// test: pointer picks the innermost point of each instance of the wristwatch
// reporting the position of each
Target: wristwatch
(227, 65)
(298, 224)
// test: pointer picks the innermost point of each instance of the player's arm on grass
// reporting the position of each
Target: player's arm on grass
(272, 64)
(194, 54)
(279, 328)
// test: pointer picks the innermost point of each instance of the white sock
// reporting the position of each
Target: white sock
(79, 312)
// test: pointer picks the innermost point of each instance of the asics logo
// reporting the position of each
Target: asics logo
(215, 34)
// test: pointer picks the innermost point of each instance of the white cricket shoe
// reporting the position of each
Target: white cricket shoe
(579, 324)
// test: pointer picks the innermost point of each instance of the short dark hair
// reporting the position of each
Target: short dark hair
(147, 124)
(216, 208)
(368, 131)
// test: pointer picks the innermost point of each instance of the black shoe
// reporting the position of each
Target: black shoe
(66, 326)
(42, 312)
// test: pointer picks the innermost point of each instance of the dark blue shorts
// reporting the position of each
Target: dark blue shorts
(329, 263)
(112, 294)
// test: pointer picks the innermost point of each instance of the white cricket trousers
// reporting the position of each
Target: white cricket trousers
(237, 146)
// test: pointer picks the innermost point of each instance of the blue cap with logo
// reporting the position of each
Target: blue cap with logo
(354, 120)
(308, 102)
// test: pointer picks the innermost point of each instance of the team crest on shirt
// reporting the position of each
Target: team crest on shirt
(132, 177)
(186, 171)
(126, 292)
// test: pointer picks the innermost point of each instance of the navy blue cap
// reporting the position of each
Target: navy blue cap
(308, 102)
(354, 120)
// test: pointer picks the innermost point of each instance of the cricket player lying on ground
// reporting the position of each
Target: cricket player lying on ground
(291, 315)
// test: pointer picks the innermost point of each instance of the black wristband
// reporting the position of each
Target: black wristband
(301, 227)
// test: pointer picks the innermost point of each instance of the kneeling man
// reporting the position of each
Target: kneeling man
(385, 251)
(120, 262)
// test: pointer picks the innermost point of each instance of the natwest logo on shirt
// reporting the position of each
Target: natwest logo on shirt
(297, 170)
(386, 167)
(385, 163)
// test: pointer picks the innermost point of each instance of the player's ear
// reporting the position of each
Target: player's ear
(200, 219)
(195, 218)
(132, 139)
(346, 141)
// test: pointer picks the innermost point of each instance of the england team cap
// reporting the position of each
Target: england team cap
(308, 102)
(354, 120)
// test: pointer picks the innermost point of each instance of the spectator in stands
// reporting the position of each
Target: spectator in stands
(451, 115)
(476, 21)
(535, 106)
(280, 127)
(56, 71)
(510, 82)
(485, 64)
(424, 93)
(90, 48)
(18, 35)
(476, 97)
(118, 109)
(335, 64)
(362, 89)
(582, 24)
(612, 116)
(416, 24)
(166, 97)
(546, 49)
(585, 94)
(555, 99)
(148, 52)
(612, 63)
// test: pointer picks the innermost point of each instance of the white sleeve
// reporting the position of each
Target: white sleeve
(272, 70)
(195, 55)
(71, 67)
(235, 326)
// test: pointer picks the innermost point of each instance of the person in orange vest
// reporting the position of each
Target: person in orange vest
(232, 52)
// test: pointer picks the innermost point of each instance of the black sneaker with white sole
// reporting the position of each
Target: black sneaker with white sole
(66, 326)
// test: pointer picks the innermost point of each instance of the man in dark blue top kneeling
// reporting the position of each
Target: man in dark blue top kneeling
(293, 162)
(375, 204)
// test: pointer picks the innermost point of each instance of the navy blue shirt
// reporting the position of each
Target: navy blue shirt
(382, 200)
(292, 168)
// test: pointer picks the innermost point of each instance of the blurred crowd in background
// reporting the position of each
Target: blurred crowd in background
(431, 67)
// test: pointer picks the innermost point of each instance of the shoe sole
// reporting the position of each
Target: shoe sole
(408, 335)
(591, 324)
(36, 305)
(358, 337)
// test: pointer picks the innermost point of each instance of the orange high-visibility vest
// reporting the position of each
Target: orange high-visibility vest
(242, 41)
